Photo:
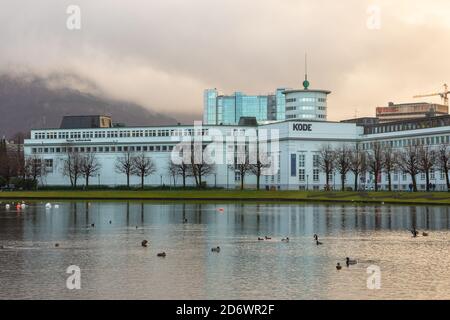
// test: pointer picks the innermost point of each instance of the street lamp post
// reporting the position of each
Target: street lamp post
(215, 180)
(307, 182)
(98, 176)
(161, 180)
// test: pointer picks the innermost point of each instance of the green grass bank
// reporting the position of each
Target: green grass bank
(434, 198)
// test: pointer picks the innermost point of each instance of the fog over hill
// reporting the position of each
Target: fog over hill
(29, 101)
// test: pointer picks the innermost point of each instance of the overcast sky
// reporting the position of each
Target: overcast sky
(164, 53)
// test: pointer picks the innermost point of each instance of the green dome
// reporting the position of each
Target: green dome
(306, 84)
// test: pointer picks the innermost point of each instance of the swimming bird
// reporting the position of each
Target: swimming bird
(185, 220)
(316, 237)
(57, 245)
(144, 243)
(110, 221)
(260, 239)
(7, 206)
(319, 243)
(267, 238)
(216, 249)
(56, 206)
(162, 254)
(48, 205)
(338, 266)
(93, 225)
(285, 240)
(349, 261)
(414, 232)
(425, 234)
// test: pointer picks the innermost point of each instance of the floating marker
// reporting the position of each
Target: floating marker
(48, 206)
(56, 206)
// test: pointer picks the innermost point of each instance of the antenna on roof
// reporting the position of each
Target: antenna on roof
(306, 82)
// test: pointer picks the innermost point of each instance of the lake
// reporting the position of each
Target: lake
(114, 264)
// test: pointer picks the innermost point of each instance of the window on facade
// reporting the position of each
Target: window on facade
(316, 175)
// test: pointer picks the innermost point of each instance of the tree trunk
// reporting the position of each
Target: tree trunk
(427, 176)
(356, 181)
(343, 182)
(184, 179)
(142, 181)
(87, 180)
(413, 178)
(447, 178)
(389, 182)
(258, 177)
(327, 187)
(128, 180)
(242, 181)
(376, 181)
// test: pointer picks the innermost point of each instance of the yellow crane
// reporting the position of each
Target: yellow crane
(443, 95)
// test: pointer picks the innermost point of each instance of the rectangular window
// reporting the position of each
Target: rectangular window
(301, 175)
(301, 160)
(293, 165)
(316, 175)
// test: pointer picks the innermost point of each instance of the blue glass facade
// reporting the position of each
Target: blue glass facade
(227, 110)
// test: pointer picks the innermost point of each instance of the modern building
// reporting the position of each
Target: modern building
(306, 104)
(410, 111)
(295, 144)
(228, 109)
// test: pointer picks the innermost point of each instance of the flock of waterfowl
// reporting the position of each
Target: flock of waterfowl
(348, 261)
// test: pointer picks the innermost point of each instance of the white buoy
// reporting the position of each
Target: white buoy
(48, 206)
(7, 206)
(56, 206)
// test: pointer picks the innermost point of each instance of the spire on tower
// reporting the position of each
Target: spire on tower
(306, 82)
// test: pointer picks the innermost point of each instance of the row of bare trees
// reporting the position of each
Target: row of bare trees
(412, 160)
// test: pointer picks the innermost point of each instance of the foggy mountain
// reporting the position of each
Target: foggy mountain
(28, 101)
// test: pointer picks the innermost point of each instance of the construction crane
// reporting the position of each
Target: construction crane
(443, 95)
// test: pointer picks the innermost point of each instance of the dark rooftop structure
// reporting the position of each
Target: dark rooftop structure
(404, 125)
(248, 121)
(86, 122)
(364, 121)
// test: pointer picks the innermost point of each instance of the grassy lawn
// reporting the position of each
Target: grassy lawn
(440, 198)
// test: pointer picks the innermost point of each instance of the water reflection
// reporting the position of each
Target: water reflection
(114, 265)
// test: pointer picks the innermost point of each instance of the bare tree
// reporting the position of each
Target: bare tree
(443, 160)
(72, 167)
(89, 166)
(358, 163)
(7, 168)
(124, 164)
(257, 170)
(34, 168)
(427, 158)
(199, 168)
(389, 163)
(142, 166)
(408, 161)
(182, 170)
(326, 163)
(243, 166)
(375, 162)
(342, 163)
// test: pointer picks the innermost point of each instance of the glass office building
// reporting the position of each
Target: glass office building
(228, 109)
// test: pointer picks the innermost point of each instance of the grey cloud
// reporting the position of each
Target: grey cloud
(164, 53)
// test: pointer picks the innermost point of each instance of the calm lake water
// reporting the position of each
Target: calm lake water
(114, 265)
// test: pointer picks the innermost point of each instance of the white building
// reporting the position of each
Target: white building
(299, 143)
